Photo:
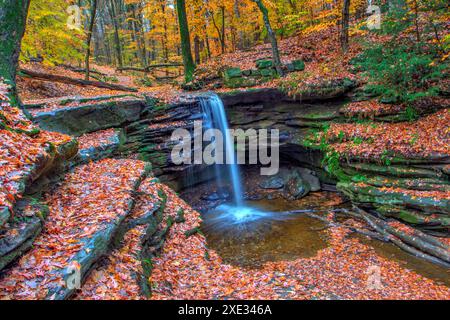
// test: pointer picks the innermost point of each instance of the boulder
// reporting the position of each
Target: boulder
(295, 187)
(275, 182)
(310, 177)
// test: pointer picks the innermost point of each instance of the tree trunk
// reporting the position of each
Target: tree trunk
(116, 34)
(137, 36)
(275, 52)
(416, 20)
(13, 18)
(345, 24)
(189, 65)
(241, 36)
(197, 49)
(208, 48)
(222, 42)
(89, 36)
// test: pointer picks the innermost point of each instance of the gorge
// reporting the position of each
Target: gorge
(266, 221)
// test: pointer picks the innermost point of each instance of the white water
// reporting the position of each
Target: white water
(236, 213)
(215, 118)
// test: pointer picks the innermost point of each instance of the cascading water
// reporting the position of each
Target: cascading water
(215, 118)
(237, 213)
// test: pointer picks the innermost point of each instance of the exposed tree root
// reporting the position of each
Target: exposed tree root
(419, 247)
(418, 243)
(311, 214)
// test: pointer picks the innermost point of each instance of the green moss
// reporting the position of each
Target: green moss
(231, 73)
(264, 64)
(298, 65)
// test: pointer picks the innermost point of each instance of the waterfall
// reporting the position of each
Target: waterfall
(215, 118)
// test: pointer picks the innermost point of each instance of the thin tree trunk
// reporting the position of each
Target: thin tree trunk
(345, 25)
(89, 36)
(137, 36)
(416, 20)
(13, 18)
(275, 52)
(222, 43)
(208, 48)
(189, 65)
(241, 36)
(219, 33)
(116, 34)
(197, 49)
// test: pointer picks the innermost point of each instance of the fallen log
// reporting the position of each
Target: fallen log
(77, 82)
(81, 70)
(148, 68)
(412, 245)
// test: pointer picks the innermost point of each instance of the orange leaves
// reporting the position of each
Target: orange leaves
(96, 139)
(84, 204)
(369, 109)
(423, 138)
(183, 272)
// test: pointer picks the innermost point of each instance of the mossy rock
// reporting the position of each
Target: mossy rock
(306, 124)
(392, 171)
(240, 82)
(412, 217)
(298, 65)
(255, 73)
(232, 73)
(264, 64)
(394, 99)
(268, 73)
(372, 195)
(320, 116)
(419, 184)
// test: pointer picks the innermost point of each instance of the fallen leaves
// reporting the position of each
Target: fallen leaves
(370, 109)
(24, 150)
(96, 139)
(186, 269)
(87, 201)
(427, 137)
